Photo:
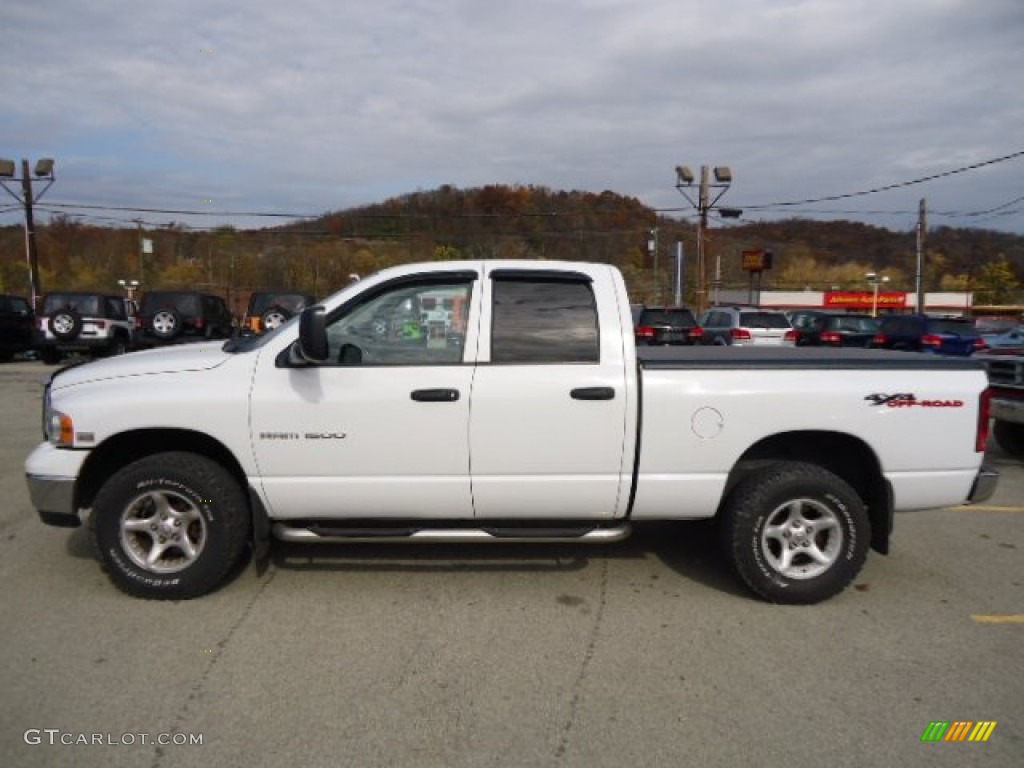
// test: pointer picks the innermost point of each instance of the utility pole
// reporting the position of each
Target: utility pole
(679, 274)
(44, 169)
(652, 247)
(922, 227)
(704, 203)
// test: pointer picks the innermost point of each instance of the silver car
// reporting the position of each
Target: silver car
(742, 326)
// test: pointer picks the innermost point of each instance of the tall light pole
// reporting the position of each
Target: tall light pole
(652, 249)
(703, 203)
(875, 280)
(43, 170)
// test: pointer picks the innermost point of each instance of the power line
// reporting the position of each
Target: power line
(887, 187)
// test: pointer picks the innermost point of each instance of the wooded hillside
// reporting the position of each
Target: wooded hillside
(495, 221)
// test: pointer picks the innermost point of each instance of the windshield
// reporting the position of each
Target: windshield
(763, 320)
(674, 317)
(84, 305)
(958, 327)
(185, 303)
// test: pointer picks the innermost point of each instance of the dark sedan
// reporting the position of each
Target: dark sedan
(667, 325)
(828, 329)
(923, 333)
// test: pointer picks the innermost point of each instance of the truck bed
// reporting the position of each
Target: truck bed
(825, 358)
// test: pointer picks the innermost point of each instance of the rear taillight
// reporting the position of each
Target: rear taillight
(138, 324)
(931, 340)
(644, 331)
(979, 344)
(695, 334)
(101, 324)
(200, 323)
(790, 336)
(879, 340)
(831, 337)
(739, 334)
(984, 417)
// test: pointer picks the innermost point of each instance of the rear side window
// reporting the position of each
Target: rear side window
(544, 321)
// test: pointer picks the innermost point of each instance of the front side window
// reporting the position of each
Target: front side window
(537, 320)
(412, 323)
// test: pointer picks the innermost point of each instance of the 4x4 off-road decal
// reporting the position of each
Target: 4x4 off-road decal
(907, 400)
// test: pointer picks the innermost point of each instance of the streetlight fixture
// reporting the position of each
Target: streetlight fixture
(43, 170)
(684, 183)
(875, 280)
(129, 287)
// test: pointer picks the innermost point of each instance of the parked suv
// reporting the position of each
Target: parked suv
(269, 309)
(815, 328)
(747, 325)
(17, 326)
(173, 316)
(666, 325)
(78, 321)
(923, 333)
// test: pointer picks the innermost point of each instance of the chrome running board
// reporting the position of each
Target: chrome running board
(341, 534)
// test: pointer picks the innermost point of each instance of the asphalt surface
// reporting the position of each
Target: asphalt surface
(645, 653)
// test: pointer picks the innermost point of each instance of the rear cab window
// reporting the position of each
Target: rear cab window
(543, 319)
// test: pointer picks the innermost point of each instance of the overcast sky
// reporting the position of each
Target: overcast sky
(307, 106)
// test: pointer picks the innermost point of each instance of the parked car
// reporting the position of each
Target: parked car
(925, 333)
(17, 326)
(666, 325)
(269, 309)
(747, 325)
(815, 328)
(1010, 339)
(92, 323)
(174, 316)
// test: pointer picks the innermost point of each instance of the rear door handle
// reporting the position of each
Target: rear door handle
(593, 393)
(435, 395)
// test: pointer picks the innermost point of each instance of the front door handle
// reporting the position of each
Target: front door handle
(593, 393)
(435, 395)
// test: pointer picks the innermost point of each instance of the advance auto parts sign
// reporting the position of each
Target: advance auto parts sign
(865, 299)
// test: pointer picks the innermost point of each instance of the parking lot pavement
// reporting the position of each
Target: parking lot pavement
(644, 653)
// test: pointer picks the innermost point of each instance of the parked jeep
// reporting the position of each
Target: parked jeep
(168, 317)
(17, 326)
(269, 309)
(96, 324)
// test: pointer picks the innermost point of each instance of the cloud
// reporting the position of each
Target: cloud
(321, 105)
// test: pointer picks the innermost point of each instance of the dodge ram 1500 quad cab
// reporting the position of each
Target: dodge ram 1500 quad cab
(500, 401)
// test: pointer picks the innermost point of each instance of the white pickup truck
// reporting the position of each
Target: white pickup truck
(500, 401)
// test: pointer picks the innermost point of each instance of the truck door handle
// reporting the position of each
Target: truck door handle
(435, 395)
(593, 393)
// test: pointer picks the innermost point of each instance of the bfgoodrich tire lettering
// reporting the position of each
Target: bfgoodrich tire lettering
(170, 526)
(795, 533)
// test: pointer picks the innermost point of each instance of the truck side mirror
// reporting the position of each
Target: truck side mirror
(312, 344)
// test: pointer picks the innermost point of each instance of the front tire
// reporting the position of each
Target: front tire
(170, 526)
(796, 533)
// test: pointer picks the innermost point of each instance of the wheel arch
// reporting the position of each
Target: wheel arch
(844, 455)
(110, 456)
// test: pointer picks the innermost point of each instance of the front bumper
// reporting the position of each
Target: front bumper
(51, 474)
(54, 497)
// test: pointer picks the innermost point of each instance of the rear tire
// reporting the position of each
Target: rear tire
(795, 533)
(170, 526)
